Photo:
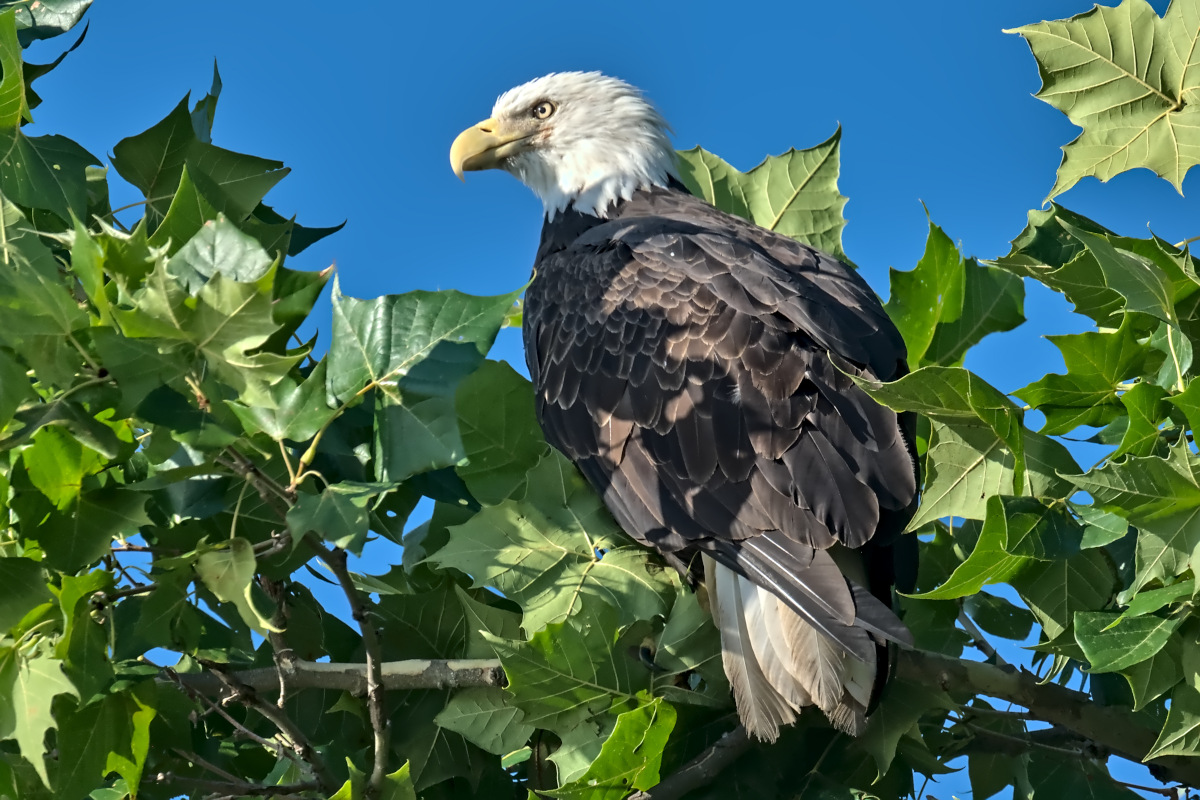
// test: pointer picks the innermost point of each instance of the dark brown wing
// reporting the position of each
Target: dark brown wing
(680, 359)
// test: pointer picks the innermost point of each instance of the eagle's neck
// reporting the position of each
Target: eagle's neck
(564, 229)
(594, 175)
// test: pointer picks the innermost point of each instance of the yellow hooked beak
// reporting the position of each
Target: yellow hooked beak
(485, 145)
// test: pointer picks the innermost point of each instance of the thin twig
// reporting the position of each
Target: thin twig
(236, 788)
(130, 591)
(213, 768)
(283, 654)
(978, 639)
(295, 737)
(335, 559)
(273, 746)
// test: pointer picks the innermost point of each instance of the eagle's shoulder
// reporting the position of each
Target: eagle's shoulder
(666, 240)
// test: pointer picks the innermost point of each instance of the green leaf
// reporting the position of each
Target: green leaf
(1102, 528)
(1086, 395)
(1161, 496)
(1157, 675)
(1112, 643)
(416, 438)
(218, 248)
(1145, 407)
(991, 771)
(500, 432)
(1055, 590)
(84, 645)
(483, 618)
(57, 464)
(629, 759)
(338, 514)
(1046, 252)
(87, 429)
(112, 735)
(296, 411)
(31, 680)
(556, 551)
(1051, 775)
(1180, 735)
(952, 394)
(81, 534)
(33, 295)
(1125, 77)
(571, 670)
(967, 463)
(139, 366)
(896, 715)
(484, 717)
(43, 19)
(15, 387)
(947, 304)
(154, 162)
(1148, 602)
(398, 785)
(383, 340)
(22, 587)
(229, 573)
(187, 214)
(1188, 401)
(35, 172)
(998, 616)
(795, 193)
(989, 561)
(232, 320)
(1143, 284)
(689, 642)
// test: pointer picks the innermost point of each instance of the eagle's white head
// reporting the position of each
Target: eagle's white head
(577, 138)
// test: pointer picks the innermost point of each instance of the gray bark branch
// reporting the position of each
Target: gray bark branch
(395, 675)
(1111, 728)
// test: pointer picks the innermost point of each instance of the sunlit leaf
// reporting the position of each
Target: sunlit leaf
(1124, 76)
(795, 193)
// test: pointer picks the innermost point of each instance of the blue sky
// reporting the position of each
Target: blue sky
(362, 101)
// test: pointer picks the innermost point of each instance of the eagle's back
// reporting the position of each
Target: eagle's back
(680, 359)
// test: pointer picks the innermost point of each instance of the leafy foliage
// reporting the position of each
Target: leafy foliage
(1131, 81)
(173, 458)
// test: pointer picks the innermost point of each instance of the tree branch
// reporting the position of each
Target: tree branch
(701, 769)
(335, 559)
(247, 696)
(978, 639)
(395, 675)
(1111, 728)
(235, 788)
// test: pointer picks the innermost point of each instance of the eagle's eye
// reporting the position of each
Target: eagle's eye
(543, 110)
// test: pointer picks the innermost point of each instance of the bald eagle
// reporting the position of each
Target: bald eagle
(693, 366)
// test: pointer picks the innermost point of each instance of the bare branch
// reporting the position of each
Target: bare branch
(978, 639)
(701, 769)
(295, 737)
(335, 559)
(1114, 729)
(236, 788)
(241, 729)
(454, 673)
(282, 653)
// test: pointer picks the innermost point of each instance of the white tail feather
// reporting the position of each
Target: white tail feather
(778, 664)
(775, 653)
(762, 709)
